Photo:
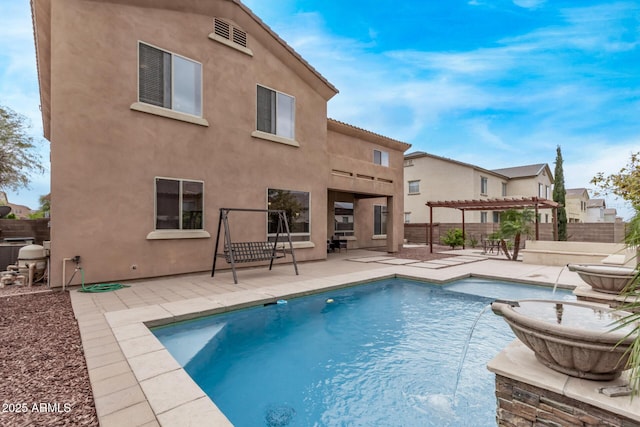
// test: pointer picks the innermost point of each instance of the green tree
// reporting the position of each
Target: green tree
(559, 195)
(45, 207)
(513, 224)
(18, 156)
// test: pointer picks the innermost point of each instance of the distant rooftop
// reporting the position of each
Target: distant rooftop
(522, 171)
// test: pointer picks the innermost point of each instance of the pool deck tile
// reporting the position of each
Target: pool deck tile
(399, 261)
(152, 364)
(170, 390)
(197, 413)
(161, 392)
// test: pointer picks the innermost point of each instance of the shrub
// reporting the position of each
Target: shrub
(453, 238)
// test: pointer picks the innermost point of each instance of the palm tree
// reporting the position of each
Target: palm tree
(513, 224)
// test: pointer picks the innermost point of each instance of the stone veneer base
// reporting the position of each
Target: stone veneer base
(521, 404)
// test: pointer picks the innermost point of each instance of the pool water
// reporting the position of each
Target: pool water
(386, 353)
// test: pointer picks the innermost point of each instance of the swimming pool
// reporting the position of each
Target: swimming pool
(384, 353)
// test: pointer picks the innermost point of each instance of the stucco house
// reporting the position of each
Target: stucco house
(161, 113)
(577, 204)
(433, 178)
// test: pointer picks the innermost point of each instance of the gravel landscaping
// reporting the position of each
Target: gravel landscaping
(44, 375)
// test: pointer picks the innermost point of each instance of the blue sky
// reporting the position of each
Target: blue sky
(496, 83)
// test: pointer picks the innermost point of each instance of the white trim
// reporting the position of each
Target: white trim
(171, 114)
(155, 210)
(379, 237)
(274, 138)
(284, 139)
(226, 42)
(178, 234)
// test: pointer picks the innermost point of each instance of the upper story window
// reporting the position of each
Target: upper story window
(276, 113)
(168, 80)
(504, 189)
(483, 217)
(380, 158)
(484, 185)
(414, 187)
(179, 204)
(541, 192)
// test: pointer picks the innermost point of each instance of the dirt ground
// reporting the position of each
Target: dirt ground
(44, 377)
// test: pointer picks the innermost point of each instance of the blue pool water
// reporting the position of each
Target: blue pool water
(382, 354)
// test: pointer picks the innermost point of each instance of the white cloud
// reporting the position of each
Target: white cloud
(529, 4)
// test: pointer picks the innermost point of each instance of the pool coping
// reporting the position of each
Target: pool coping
(157, 391)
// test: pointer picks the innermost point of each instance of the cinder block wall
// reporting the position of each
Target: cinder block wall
(36, 228)
(576, 232)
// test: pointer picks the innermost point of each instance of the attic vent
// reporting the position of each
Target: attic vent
(221, 28)
(228, 31)
(239, 37)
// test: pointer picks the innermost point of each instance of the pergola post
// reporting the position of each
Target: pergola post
(430, 229)
(537, 225)
(463, 233)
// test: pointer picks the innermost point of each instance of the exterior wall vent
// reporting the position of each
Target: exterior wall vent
(229, 34)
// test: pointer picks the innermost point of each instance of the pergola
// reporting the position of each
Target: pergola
(501, 204)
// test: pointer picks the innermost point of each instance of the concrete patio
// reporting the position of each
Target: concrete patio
(136, 382)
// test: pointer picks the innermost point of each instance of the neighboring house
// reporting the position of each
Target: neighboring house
(433, 178)
(576, 204)
(162, 112)
(595, 210)
(20, 211)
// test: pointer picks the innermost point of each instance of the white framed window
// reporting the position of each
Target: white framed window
(541, 192)
(496, 217)
(275, 112)
(297, 206)
(379, 220)
(547, 192)
(483, 217)
(407, 217)
(484, 185)
(381, 158)
(169, 80)
(504, 189)
(344, 224)
(414, 187)
(179, 204)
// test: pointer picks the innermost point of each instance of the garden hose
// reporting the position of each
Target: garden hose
(100, 287)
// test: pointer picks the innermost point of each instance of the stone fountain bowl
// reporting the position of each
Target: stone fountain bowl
(574, 338)
(609, 279)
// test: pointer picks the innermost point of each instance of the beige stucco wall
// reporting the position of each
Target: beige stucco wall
(105, 155)
(442, 179)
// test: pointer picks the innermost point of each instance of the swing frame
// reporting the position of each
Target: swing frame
(242, 252)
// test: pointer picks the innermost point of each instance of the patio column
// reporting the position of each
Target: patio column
(392, 231)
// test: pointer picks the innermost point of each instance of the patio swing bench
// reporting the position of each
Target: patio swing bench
(244, 252)
(251, 252)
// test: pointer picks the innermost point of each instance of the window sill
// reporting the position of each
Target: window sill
(379, 237)
(274, 138)
(352, 238)
(413, 194)
(232, 45)
(164, 112)
(178, 234)
(296, 245)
